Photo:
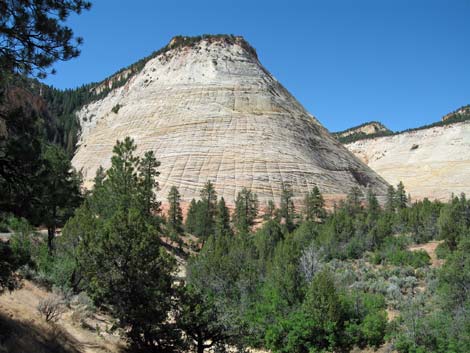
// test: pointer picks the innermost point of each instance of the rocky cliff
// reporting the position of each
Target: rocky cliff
(211, 111)
(432, 162)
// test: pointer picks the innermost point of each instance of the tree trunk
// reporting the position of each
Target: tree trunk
(75, 280)
(200, 346)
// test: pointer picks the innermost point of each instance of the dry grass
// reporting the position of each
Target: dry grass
(23, 330)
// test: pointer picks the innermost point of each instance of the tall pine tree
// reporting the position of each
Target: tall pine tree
(222, 220)
(314, 206)
(175, 214)
(246, 211)
(401, 200)
(119, 256)
(287, 210)
(207, 211)
(148, 170)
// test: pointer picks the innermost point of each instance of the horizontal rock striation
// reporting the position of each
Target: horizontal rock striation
(211, 111)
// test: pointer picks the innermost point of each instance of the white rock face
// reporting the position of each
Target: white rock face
(432, 163)
(213, 112)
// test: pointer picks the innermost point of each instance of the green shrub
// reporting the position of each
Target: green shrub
(442, 251)
(21, 240)
(394, 252)
(116, 108)
(373, 328)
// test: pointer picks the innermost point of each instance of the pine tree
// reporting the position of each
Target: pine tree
(20, 161)
(373, 207)
(60, 192)
(222, 220)
(270, 211)
(197, 316)
(123, 179)
(99, 177)
(314, 206)
(287, 210)
(400, 196)
(148, 170)
(191, 220)
(353, 201)
(120, 258)
(390, 203)
(33, 35)
(208, 210)
(246, 211)
(175, 214)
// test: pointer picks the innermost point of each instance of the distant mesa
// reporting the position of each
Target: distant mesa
(210, 111)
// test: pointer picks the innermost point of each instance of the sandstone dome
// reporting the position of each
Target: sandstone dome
(210, 111)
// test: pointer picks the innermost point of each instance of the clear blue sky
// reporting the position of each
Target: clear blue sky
(403, 62)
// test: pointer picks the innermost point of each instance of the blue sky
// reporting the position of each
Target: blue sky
(402, 62)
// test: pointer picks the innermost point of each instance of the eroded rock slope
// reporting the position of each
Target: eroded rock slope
(432, 162)
(211, 111)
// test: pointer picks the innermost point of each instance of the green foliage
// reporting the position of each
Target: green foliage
(116, 108)
(34, 36)
(314, 206)
(191, 217)
(21, 243)
(373, 207)
(394, 252)
(60, 191)
(126, 268)
(113, 242)
(454, 221)
(226, 272)
(353, 201)
(390, 203)
(203, 217)
(222, 220)
(454, 280)
(175, 214)
(283, 276)
(267, 238)
(400, 196)
(270, 211)
(67, 271)
(329, 320)
(287, 209)
(246, 211)
(442, 251)
(8, 265)
(20, 162)
(147, 168)
(306, 234)
(198, 317)
(422, 220)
